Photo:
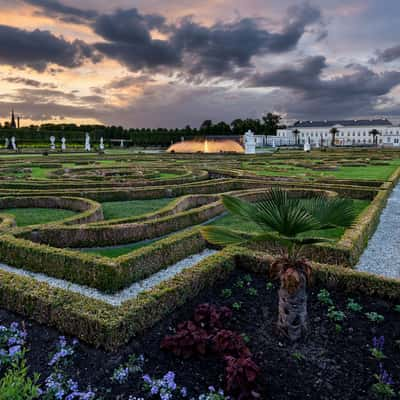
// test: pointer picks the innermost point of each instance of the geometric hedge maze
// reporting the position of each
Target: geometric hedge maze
(106, 279)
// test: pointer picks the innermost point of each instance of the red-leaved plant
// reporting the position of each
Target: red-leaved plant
(189, 340)
(241, 376)
(228, 343)
(205, 333)
(211, 317)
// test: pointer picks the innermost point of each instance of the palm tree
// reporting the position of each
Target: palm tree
(375, 133)
(334, 131)
(290, 224)
(296, 133)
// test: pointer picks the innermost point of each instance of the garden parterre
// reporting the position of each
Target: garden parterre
(190, 187)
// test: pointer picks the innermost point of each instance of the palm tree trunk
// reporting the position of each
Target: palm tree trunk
(292, 319)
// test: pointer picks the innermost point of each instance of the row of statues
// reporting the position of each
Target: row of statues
(11, 145)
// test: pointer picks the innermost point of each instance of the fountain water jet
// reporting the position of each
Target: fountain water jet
(207, 146)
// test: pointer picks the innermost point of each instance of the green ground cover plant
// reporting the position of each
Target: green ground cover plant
(33, 216)
(122, 209)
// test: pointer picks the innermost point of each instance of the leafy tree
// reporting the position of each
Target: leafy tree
(253, 125)
(271, 123)
(289, 223)
(206, 126)
(222, 128)
(237, 126)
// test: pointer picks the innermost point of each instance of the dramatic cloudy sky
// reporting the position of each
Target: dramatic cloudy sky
(168, 63)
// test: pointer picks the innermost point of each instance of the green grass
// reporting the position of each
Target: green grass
(33, 216)
(124, 209)
(233, 222)
(113, 252)
(369, 172)
(40, 173)
(168, 175)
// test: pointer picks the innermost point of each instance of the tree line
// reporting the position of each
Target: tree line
(267, 125)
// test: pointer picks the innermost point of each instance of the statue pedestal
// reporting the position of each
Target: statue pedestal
(249, 143)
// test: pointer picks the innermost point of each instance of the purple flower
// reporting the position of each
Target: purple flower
(14, 350)
(147, 379)
(384, 376)
(378, 343)
(169, 379)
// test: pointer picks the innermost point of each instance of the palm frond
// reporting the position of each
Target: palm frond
(331, 213)
(283, 219)
(239, 207)
(284, 215)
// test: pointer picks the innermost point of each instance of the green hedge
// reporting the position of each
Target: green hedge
(105, 274)
(99, 323)
(103, 235)
(346, 279)
(103, 325)
(89, 210)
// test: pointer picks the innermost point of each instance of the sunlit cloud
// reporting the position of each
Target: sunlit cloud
(157, 63)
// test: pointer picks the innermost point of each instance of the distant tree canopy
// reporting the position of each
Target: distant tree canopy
(268, 125)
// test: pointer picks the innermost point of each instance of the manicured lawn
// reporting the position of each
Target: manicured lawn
(123, 209)
(370, 172)
(113, 252)
(32, 216)
(40, 173)
(167, 175)
(233, 222)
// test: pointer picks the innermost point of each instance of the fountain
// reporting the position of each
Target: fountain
(206, 146)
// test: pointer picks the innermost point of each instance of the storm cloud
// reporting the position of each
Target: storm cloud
(388, 55)
(37, 49)
(358, 90)
(197, 49)
(178, 62)
(53, 8)
(29, 82)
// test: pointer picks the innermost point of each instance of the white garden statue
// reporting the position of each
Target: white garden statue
(122, 143)
(87, 142)
(13, 144)
(307, 145)
(101, 144)
(63, 144)
(249, 143)
(52, 143)
(6, 143)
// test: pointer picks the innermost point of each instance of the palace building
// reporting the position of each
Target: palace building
(380, 132)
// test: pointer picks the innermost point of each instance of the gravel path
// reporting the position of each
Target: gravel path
(382, 255)
(118, 298)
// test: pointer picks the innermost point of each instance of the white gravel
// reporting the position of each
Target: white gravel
(382, 255)
(118, 298)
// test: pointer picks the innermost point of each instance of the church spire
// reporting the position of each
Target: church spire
(13, 124)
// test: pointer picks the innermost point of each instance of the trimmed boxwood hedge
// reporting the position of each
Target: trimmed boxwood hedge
(102, 273)
(104, 325)
(103, 234)
(99, 323)
(89, 210)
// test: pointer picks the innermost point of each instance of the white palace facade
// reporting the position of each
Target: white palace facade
(348, 133)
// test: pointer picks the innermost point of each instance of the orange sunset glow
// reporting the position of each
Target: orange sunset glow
(170, 64)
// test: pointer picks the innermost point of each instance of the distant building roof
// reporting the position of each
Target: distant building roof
(350, 122)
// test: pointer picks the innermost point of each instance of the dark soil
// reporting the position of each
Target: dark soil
(327, 365)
